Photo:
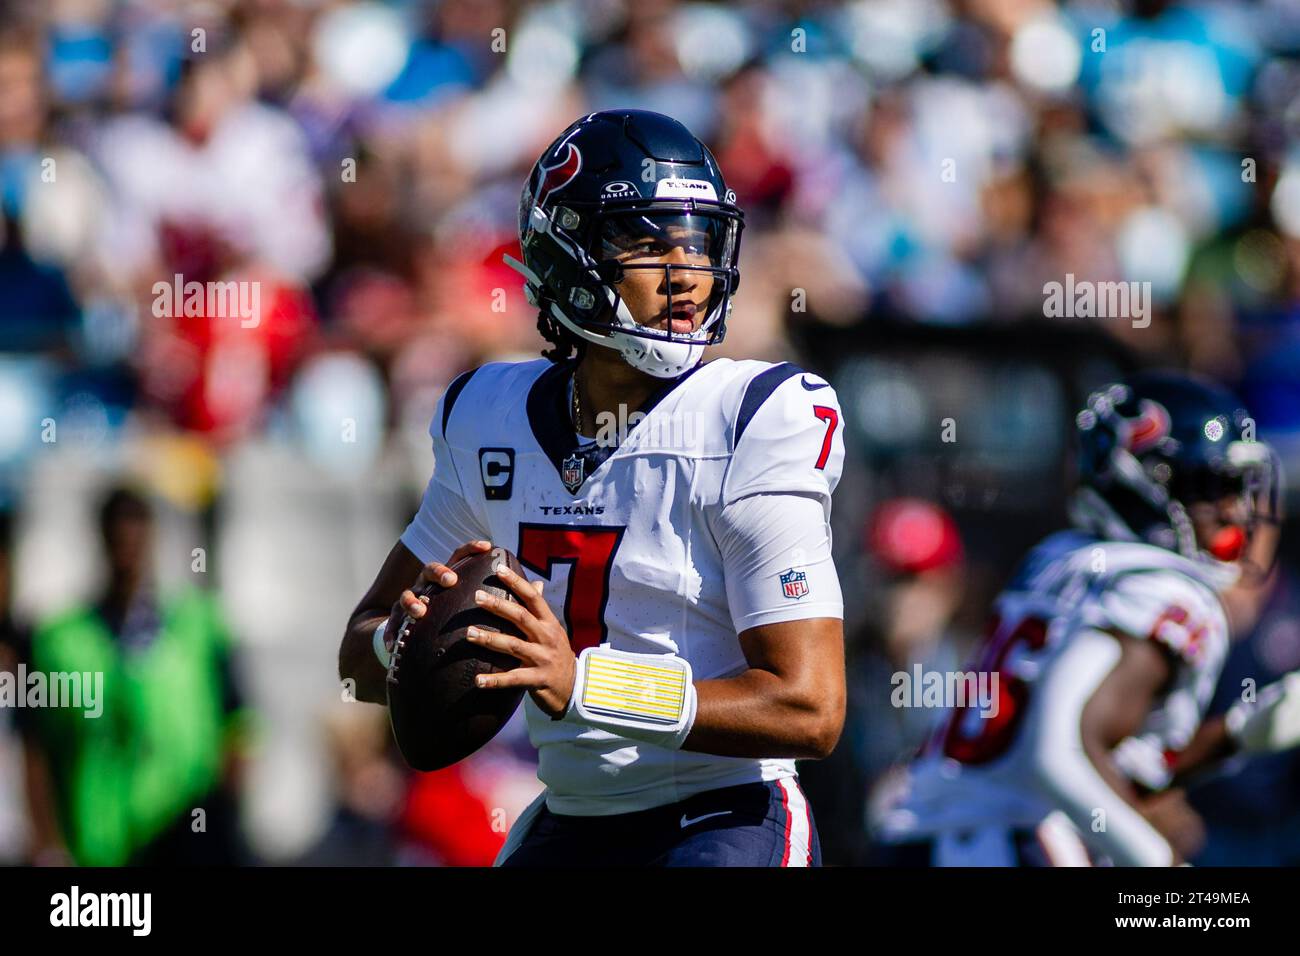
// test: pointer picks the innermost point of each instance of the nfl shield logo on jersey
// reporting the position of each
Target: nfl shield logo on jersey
(571, 470)
(794, 583)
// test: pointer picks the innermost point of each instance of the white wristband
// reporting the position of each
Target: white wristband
(381, 650)
(647, 697)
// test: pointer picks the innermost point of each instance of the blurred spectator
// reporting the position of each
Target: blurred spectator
(919, 553)
(152, 778)
(14, 638)
(919, 549)
(449, 823)
(367, 783)
(49, 200)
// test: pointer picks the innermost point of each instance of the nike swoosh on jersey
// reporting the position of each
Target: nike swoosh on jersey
(803, 380)
(686, 823)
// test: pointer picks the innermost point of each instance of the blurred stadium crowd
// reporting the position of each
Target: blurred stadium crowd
(915, 165)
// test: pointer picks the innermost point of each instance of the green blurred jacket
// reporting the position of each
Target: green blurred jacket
(157, 748)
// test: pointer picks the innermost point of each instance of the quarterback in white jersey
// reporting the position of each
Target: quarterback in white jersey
(674, 513)
(1107, 646)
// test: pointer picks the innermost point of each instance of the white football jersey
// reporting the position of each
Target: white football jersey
(978, 771)
(645, 544)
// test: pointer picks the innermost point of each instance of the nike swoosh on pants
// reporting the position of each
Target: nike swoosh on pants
(686, 823)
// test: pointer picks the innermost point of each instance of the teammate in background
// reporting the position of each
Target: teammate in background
(686, 643)
(1108, 644)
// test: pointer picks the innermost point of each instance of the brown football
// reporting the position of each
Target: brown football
(439, 716)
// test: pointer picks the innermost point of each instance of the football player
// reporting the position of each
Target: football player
(683, 629)
(1107, 645)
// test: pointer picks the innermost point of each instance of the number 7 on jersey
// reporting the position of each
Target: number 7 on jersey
(590, 553)
(832, 418)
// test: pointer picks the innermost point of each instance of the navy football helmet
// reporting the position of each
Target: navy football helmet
(614, 185)
(1152, 447)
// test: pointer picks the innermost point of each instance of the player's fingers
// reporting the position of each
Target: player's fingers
(412, 605)
(515, 613)
(469, 548)
(519, 677)
(506, 643)
(435, 572)
(439, 574)
(529, 594)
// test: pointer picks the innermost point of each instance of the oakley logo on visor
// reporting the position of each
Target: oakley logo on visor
(685, 189)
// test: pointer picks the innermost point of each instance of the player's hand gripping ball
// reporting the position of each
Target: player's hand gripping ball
(439, 714)
(545, 649)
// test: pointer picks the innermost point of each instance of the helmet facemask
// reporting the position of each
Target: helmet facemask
(674, 268)
(621, 255)
(1251, 479)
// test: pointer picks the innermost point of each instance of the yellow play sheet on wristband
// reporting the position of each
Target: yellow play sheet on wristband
(621, 688)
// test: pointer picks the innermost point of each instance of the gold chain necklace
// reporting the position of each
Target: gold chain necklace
(577, 406)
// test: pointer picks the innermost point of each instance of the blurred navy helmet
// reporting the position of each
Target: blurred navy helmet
(615, 186)
(1156, 444)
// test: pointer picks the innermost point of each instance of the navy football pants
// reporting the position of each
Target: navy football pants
(753, 824)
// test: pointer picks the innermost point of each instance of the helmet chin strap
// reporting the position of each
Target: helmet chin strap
(661, 358)
(1229, 543)
(1090, 512)
(657, 357)
(642, 354)
(1185, 534)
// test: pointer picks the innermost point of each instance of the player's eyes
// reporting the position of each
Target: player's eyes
(658, 243)
(694, 242)
(663, 247)
(646, 249)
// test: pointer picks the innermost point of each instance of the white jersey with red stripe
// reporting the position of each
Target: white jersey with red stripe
(671, 540)
(980, 771)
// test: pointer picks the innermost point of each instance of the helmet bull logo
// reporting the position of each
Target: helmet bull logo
(560, 173)
(1151, 425)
